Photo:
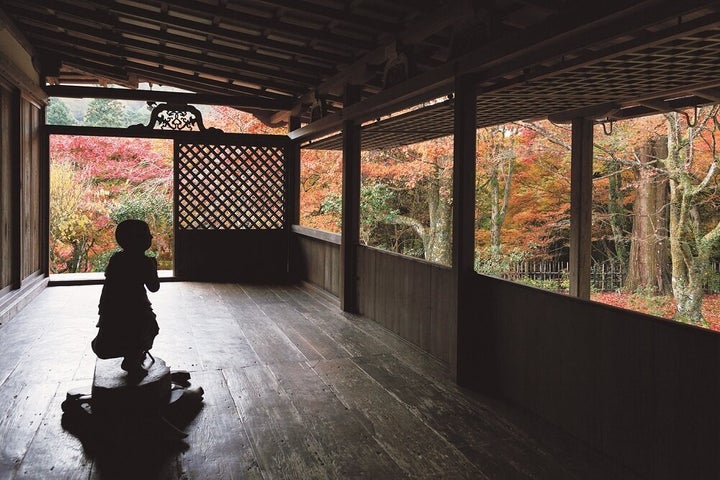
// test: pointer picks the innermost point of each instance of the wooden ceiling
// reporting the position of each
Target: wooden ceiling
(277, 58)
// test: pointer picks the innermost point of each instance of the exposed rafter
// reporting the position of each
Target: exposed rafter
(529, 58)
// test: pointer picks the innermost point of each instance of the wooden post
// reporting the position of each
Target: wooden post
(350, 236)
(581, 207)
(16, 185)
(44, 194)
(468, 330)
(293, 176)
(292, 198)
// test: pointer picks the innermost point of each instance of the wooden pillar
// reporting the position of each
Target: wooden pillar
(293, 175)
(581, 207)
(16, 183)
(350, 237)
(292, 199)
(464, 228)
(44, 194)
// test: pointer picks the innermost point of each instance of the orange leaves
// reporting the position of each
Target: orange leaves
(232, 120)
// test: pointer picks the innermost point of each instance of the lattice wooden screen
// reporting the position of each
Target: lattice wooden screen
(230, 187)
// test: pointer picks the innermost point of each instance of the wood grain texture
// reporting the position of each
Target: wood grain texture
(294, 388)
(318, 262)
(413, 298)
(54, 452)
(6, 188)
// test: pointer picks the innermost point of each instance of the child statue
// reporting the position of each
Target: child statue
(127, 325)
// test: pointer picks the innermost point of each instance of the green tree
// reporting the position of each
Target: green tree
(57, 113)
(103, 112)
(137, 116)
(150, 201)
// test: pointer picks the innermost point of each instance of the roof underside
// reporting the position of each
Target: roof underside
(279, 58)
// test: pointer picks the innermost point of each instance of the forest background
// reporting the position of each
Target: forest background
(656, 226)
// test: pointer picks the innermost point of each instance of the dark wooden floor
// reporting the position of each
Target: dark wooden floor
(294, 389)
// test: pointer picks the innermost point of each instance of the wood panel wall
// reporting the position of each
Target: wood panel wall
(315, 258)
(32, 173)
(411, 297)
(6, 189)
(643, 390)
(23, 198)
(232, 255)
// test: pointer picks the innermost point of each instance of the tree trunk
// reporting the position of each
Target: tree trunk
(618, 217)
(438, 238)
(690, 257)
(503, 159)
(648, 263)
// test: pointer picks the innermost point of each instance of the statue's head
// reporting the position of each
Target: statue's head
(133, 235)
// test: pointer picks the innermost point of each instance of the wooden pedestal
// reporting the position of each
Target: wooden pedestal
(113, 392)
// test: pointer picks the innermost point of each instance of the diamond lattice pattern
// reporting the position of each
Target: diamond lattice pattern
(230, 187)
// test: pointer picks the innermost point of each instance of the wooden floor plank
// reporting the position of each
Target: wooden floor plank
(310, 339)
(24, 406)
(268, 341)
(345, 333)
(178, 307)
(54, 452)
(218, 443)
(355, 453)
(218, 339)
(415, 447)
(480, 433)
(285, 447)
(295, 388)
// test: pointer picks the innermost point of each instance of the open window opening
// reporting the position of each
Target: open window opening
(97, 182)
(321, 189)
(656, 220)
(406, 199)
(522, 218)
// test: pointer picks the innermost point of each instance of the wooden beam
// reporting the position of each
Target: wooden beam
(710, 94)
(641, 42)
(573, 30)
(293, 156)
(350, 235)
(328, 12)
(129, 58)
(596, 111)
(44, 26)
(190, 51)
(267, 25)
(411, 35)
(19, 79)
(197, 83)
(465, 118)
(280, 141)
(502, 60)
(238, 101)
(581, 165)
(423, 87)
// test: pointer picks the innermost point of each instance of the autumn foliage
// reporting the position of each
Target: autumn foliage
(96, 182)
(522, 200)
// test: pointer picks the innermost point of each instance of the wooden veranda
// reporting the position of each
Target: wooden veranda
(294, 388)
(638, 390)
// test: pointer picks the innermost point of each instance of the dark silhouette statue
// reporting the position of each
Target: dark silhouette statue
(131, 423)
(127, 325)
